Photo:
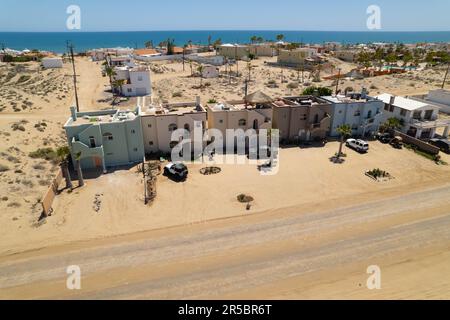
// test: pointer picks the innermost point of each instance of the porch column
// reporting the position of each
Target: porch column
(446, 132)
(104, 165)
(418, 133)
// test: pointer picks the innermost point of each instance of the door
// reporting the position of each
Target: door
(98, 162)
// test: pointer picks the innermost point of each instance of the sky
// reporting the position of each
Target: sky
(156, 15)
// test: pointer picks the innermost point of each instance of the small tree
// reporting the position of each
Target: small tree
(63, 153)
(79, 171)
(200, 70)
(345, 131)
(110, 72)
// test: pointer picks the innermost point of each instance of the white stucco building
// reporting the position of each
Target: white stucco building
(420, 119)
(137, 80)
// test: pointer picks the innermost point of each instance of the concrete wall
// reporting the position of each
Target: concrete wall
(49, 63)
(442, 97)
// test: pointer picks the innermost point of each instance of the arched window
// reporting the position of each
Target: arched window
(187, 127)
(369, 114)
(172, 127)
(108, 136)
(242, 123)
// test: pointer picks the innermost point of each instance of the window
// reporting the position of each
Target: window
(369, 114)
(391, 108)
(129, 90)
(355, 127)
(403, 113)
(357, 113)
(133, 131)
(135, 149)
(151, 143)
(316, 119)
(255, 124)
(220, 121)
(242, 123)
(108, 136)
(417, 115)
(187, 127)
(303, 117)
(92, 142)
(172, 127)
(149, 125)
(386, 107)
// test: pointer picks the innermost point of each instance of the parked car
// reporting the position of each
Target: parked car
(384, 137)
(442, 144)
(358, 145)
(397, 143)
(176, 170)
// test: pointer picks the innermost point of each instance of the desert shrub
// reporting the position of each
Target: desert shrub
(212, 101)
(322, 91)
(3, 168)
(44, 153)
(177, 94)
(243, 198)
(292, 85)
(17, 126)
(23, 78)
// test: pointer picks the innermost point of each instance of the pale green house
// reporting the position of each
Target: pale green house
(106, 139)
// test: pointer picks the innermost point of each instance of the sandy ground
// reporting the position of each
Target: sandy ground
(307, 181)
(292, 254)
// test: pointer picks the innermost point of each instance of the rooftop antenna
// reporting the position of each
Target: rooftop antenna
(74, 77)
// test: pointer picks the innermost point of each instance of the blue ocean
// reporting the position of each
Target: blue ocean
(56, 41)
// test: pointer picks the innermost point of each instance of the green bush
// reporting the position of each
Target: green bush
(44, 153)
(322, 91)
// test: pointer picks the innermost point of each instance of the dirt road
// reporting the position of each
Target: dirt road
(321, 255)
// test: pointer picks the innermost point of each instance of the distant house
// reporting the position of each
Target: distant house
(146, 53)
(121, 61)
(234, 51)
(51, 63)
(210, 71)
(300, 56)
(106, 138)
(346, 55)
(420, 119)
(137, 80)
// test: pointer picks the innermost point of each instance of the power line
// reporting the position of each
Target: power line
(74, 77)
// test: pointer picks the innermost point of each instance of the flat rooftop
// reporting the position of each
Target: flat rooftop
(226, 106)
(102, 117)
(349, 98)
(404, 103)
(160, 110)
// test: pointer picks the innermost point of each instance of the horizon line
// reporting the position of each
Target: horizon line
(218, 30)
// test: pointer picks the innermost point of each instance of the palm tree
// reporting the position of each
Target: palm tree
(280, 37)
(79, 171)
(63, 153)
(110, 72)
(249, 67)
(118, 84)
(345, 131)
(253, 39)
(393, 124)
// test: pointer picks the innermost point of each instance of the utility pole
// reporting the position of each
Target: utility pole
(184, 49)
(74, 78)
(338, 79)
(446, 74)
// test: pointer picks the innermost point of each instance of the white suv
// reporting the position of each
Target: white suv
(358, 145)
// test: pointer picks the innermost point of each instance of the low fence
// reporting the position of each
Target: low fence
(51, 193)
(421, 145)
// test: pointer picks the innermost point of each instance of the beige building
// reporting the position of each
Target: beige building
(237, 115)
(296, 57)
(159, 122)
(241, 52)
(302, 118)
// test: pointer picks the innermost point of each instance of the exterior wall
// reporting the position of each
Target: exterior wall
(210, 72)
(138, 82)
(297, 56)
(234, 52)
(264, 50)
(299, 122)
(347, 113)
(156, 134)
(49, 63)
(346, 55)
